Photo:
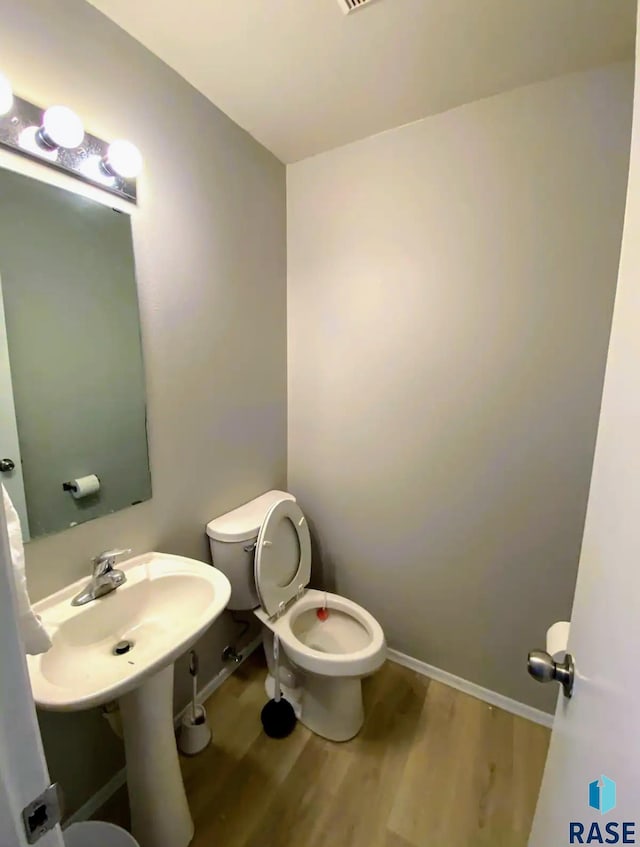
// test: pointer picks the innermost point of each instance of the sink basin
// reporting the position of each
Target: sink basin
(161, 610)
(164, 606)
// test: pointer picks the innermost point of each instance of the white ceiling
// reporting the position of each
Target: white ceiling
(303, 78)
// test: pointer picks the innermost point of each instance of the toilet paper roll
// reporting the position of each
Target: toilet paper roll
(558, 639)
(83, 486)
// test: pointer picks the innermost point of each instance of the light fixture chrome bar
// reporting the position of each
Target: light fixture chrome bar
(18, 132)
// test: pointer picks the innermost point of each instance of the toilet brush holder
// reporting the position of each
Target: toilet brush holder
(195, 732)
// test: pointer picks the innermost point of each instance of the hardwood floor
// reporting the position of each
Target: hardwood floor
(432, 767)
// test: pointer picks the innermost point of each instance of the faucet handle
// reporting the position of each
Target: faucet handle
(104, 562)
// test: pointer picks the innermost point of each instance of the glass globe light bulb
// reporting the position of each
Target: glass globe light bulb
(92, 168)
(61, 128)
(124, 159)
(28, 140)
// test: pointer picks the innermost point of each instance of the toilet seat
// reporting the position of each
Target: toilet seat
(367, 655)
(282, 565)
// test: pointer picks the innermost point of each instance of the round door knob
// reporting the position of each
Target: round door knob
(7, 465)
(543, 669)
(541, 666)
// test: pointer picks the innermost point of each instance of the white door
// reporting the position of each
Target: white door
(23, 770)
(9, 445)
(596, 734)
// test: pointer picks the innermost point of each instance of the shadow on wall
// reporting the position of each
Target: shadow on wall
(323, 566)
(82, 753)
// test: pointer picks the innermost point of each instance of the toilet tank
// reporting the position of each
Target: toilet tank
(232, 539)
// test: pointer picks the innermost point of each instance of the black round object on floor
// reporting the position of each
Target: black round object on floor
(278, 718)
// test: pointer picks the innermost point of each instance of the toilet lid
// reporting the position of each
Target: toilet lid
(283, 556)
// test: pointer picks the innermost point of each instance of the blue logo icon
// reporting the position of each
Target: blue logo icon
(602, 798)
(602, 795)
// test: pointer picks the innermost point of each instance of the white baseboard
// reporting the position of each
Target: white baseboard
(88, 809)
(457, 682)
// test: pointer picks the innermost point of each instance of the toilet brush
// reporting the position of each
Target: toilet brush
(278, 717)
(195, 732)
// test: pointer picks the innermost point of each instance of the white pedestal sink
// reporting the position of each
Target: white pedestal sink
(162, 609)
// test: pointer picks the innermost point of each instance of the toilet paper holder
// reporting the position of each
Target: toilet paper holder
(83, 486)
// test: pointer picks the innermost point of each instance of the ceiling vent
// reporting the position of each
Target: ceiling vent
(349, 6)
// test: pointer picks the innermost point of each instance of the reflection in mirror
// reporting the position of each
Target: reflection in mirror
(71, 369)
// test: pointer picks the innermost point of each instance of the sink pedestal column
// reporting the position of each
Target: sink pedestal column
(160, 814)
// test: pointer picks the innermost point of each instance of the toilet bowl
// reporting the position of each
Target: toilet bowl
(264, 549)
(329, 659)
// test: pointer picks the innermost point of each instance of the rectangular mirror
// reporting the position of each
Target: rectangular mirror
(71, 368)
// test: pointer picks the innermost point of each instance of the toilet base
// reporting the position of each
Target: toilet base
(329, 707)
(332, 706)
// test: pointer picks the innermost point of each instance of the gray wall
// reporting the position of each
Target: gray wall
(209, 240)
(71, 306)
(450, 288)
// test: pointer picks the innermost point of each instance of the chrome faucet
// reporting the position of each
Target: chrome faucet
(105, 577)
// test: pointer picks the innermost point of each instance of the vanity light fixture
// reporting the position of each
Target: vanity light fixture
(6, 95)
(56, 136)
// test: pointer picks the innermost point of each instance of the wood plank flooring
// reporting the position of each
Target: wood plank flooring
(432, 767)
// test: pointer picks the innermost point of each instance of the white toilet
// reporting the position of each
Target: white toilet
(264, 549)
